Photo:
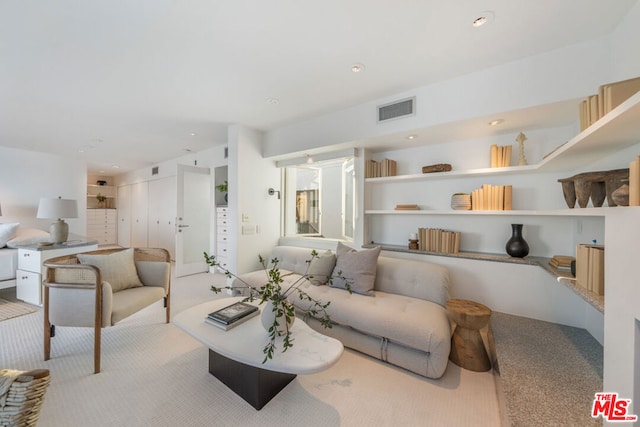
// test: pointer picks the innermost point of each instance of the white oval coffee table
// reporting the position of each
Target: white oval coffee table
(236, 355)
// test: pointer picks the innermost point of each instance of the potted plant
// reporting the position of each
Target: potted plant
(276, 298)
(101, 199)
(223, 188)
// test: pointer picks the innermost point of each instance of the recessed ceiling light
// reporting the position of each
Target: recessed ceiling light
(273, 101)
(115, 166)
(357, 68)
(187, 150)
(412, 137)
(192, 133)
(496, 122)
(485, 17)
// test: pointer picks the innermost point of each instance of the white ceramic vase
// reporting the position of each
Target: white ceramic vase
(267, 316)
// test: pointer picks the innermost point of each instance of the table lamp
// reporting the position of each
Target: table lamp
(58, 208)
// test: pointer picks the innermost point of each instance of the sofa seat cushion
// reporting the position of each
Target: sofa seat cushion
(412, 322)
(129, 301)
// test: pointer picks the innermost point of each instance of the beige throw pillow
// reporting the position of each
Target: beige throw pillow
(358, 267)
(118, 268)
(321, 267)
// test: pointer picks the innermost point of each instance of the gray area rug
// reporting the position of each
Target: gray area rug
(549, 373)
(11, 309)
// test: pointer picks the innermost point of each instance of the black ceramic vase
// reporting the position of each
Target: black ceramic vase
(516, 246)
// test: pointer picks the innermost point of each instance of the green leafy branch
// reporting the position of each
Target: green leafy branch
(273, 293)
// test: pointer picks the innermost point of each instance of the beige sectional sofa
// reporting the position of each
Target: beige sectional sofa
(402, 320)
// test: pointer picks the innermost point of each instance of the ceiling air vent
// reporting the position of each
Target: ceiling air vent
(397, 109)
(155, 170)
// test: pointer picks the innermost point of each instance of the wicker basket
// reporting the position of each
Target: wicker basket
(23, 400)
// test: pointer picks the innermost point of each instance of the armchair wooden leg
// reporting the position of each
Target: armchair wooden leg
(47, 326)
(96, 349)
(167, 304)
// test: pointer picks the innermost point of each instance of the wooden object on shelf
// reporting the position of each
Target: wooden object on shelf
(492, 198)
(440, 167)
(467, 348)
(596, 186)
(438, 240)
(386, 167)
(616, 93)
(590, 268)
(407, 207)
(500, 156)
(561, 261)
(634, 182)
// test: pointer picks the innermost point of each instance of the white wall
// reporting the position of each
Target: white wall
(256, 227)
(563, 74)
(26, 176)
(622, 302)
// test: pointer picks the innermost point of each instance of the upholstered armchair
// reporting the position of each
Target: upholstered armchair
(99, 288)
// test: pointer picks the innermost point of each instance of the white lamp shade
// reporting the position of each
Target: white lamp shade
(57, 208)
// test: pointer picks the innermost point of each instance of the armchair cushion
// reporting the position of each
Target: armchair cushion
(118, 268)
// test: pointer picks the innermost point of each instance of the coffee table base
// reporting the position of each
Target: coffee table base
(255, 385)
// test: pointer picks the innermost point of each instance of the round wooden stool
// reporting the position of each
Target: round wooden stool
(467, 349)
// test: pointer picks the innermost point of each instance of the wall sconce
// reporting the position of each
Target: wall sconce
(271, 192)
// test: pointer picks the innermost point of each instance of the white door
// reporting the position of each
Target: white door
(124, 216)
(193, 220)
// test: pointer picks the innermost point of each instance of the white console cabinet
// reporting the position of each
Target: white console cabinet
(31, 273)
(222, 236)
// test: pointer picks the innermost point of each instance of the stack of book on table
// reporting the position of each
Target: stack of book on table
(232, 315)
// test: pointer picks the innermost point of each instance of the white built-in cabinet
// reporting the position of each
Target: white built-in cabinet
(124, 216)
(162, 214)
(146, 214)
(140, 215)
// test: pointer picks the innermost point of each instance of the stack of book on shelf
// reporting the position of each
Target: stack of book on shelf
(375, 169)
(407, 207)
(437, 240)
(590, 268)
(492, 198)
(609, 96)
(500, 156)
(561, 261)
(232, 315)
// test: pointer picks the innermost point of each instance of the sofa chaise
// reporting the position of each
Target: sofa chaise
(401, 319)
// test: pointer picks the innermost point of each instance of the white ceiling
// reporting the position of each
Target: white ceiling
(128, 81)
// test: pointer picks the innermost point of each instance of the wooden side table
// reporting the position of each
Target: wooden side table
(467, 348)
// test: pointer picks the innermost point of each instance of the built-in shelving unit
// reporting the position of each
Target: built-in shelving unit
(613, 132)
(596, 212)
(562, 276)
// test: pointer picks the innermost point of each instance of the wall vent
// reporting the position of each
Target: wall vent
(226, 152)
(155, 170)
(397, 109)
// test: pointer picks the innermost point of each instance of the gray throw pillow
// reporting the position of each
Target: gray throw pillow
(118, 268)
(358, 267)
(321, 268)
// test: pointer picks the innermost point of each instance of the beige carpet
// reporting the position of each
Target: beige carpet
(153, 374)
(10, 309)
